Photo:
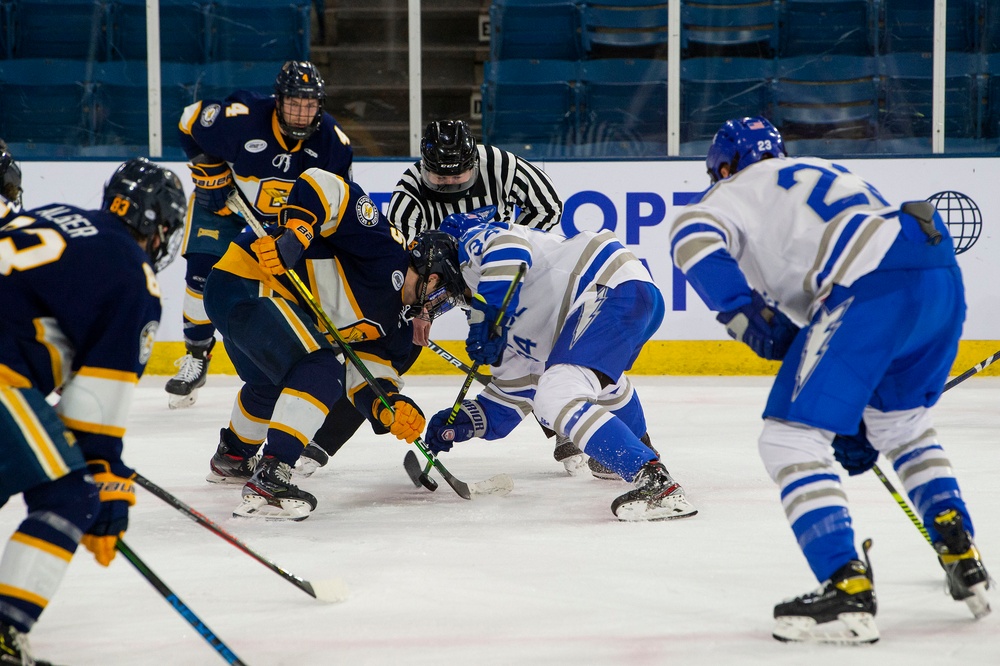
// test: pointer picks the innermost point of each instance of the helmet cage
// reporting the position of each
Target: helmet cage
(436, 252)
(447, 149)
(300, 79)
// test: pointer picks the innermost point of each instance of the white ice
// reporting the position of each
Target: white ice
(546, 575)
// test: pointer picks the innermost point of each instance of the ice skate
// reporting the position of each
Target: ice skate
(313, 457)
(14, 648)
(841, 611)
(599, 471)
(965, 574)
(192, 373)
(569, 455)
(656, 497)
(270, 494)
(227, 466)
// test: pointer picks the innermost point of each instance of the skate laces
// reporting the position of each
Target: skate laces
(190, 368)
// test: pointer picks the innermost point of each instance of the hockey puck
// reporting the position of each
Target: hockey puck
(427, 482)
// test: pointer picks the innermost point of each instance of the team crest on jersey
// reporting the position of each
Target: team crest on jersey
(397, 280)
(367, 213)
(209, 114)
(255, 145)
(146, 338)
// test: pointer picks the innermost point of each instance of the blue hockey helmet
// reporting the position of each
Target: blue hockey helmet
(301, 79)
(436, 253)
(150, 201)
(741, 142)
(10, 176)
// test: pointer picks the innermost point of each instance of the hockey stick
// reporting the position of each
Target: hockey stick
(490, 486)
(228, 655)
(457, 362)
(974, 370)
(902, 503)
(331, 590)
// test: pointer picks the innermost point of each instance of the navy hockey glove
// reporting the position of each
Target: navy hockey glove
(486, 341)
(117, 494)
(457, 224)
(470, 422)
(764, 329)
(854, 452)
(212, 184)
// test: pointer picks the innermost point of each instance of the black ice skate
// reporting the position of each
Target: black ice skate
(269, 494)
(966, 576)
(656, 497)
(183, 387)
(14, 648)
(841, 611)
(226, 466)
(313, 457)
(569, 455)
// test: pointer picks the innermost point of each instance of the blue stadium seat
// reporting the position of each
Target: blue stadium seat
(624, 106)
(991, 23)
(6, 29)
(908, 109)
(713, 90)
(729, 28)
(254, 30)
(121, 107)
(531, 105)
(544, 29)
(625, 29)
(46, 102)
(827, 27)
(61, 29)
(991, 119)
(219, 79)
(827, 97)
(185, 30)
(908, 26)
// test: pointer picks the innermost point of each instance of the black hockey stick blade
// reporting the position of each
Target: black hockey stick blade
(416, 473)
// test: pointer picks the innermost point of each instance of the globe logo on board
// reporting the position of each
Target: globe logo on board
(962, 215)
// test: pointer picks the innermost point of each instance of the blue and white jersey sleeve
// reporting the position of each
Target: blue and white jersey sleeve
(498, 250)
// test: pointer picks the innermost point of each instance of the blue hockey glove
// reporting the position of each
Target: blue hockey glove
(486, 342)
(470, 422)
(457, 224)
(117, 494)
(854, 452)
(212, 184)
(764, 329)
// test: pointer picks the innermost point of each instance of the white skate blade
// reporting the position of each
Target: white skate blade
(255, 506)
(182, 401)
(575, 465)
(331, 590)
(668, 508)
(498, 485)
(847, 629)
(978, 603)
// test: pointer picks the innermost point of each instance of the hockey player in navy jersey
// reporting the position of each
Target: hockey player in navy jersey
(575, 324)
(81, 307)
(259, 145)
(807, 262)
(353, 261)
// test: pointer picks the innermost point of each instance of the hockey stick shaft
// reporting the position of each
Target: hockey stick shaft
(199, 518)
(901, 501)
(227, 654)
(240, 206)
(457, 362)
(974, 370)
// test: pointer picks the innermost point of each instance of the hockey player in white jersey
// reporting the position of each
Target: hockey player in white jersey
(574, 325)
(807, 262)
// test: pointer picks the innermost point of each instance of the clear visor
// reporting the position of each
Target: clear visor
(436, 304)
(447, 184)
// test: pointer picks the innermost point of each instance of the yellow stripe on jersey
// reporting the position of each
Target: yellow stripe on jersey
(12, 378)
(34, 432)
(308, 397)
(43, 545)
(333, 192)
(187, 224)
(298, 327)
(240, 263)
(287, 429)
(126, 376)
(188, 116)
(379, 369)
(50, 336)
(23, 595)
(96, 400)
(247, 415)
(194, 307)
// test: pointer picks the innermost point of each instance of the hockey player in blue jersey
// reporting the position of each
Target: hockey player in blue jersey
(575, 324)
(807, 262)
(81, 307)
(353, 261)
(259, 145)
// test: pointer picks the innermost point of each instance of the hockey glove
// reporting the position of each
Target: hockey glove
(117, 494)
(277, 253)
(404, 420)
(854, 452)
(764, 329)
(486, 341)
(470, 422)
(212, 185)
(457, 224)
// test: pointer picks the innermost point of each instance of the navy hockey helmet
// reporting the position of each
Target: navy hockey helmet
(300, 79)
(436, 252)
(150, 200)
(742, 142)
(448, 150)
(10, 176)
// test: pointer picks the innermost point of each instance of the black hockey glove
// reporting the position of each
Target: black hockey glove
(764, 329)
(854, 452)
(212, 184)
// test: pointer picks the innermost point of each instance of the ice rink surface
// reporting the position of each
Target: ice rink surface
(546, 575)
